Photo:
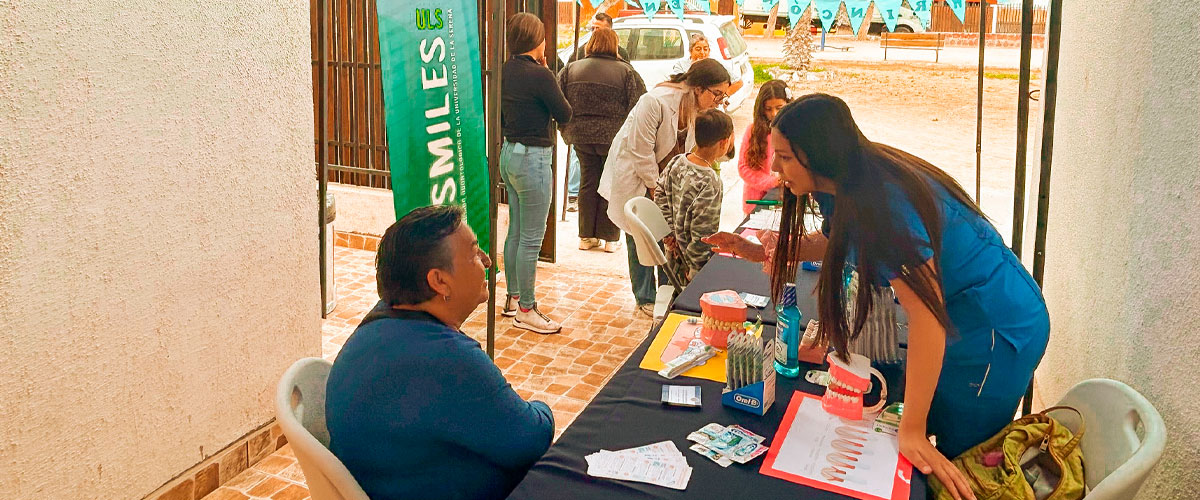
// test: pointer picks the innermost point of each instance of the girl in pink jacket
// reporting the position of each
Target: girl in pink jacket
(754, 165)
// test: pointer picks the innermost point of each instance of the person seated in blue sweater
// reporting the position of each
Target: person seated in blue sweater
(415, 408)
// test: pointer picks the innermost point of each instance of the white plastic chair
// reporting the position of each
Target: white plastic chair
(300, 409)
(649, 227)
(1123, 439)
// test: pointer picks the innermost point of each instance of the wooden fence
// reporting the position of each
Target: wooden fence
(999, 19)
(354, 98)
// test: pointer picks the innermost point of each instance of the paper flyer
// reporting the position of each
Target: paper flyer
(823, 451)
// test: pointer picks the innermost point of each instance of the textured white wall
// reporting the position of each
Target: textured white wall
(158, 234)
(1123, 251)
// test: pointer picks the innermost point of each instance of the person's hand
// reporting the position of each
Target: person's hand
(671, 244)
(769, 239)
(927, 459)
(726, 242)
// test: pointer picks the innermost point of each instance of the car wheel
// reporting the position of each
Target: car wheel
(904, 29)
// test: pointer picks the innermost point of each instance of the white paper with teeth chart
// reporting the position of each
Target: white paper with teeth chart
(823, 451)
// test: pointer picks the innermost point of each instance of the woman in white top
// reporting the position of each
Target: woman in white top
(659, 127)
(697, 49)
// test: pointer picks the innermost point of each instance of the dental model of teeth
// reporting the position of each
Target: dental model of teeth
(848, 381)
(721, 312)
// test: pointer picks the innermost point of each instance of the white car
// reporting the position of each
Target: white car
(655, 46)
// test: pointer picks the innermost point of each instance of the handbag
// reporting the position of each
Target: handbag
(1032, 458)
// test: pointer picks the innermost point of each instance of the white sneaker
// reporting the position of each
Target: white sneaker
(612, 246)
(588, 243)
(534, 321)
(647, 309)
(510, 306)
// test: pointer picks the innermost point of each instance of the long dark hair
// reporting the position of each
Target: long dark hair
(702, 73)
(757, 151)
(821, 127)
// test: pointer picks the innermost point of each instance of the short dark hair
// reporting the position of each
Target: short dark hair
(600, 16)
(712, 126)
(525, 33)
(410, 248)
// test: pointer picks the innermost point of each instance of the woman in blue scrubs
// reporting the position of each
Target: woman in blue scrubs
(978, 325)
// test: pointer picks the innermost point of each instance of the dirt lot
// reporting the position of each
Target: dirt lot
(930, 111)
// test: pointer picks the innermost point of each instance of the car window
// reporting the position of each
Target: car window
(623, 37)
(659, 43)
(737, 45)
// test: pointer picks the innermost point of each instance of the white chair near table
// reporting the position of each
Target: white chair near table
(300, 409)
(649, 227)
(1123, 437)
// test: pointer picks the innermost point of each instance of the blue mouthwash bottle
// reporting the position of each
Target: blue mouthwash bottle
(787, 334)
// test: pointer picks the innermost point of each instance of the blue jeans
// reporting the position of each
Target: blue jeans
(573, 174)
(528, 181)
(645, 287)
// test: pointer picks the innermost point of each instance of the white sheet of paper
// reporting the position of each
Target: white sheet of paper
(808, 444)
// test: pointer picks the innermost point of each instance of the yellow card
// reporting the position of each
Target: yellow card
(713, 370)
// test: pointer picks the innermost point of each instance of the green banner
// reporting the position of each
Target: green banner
(433, 101)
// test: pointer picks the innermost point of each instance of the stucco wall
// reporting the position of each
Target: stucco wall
(158, 235)
(1123, 251)
(363, 210)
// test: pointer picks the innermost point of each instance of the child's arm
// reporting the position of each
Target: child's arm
(705, 216)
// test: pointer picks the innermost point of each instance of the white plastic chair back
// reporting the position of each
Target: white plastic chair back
(1123, 440)
(300, 410)
(648, 228)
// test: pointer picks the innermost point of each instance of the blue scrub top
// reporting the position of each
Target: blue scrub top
(987, 289)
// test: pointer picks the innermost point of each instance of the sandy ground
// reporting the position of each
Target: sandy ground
(924, 108)
(869, 50)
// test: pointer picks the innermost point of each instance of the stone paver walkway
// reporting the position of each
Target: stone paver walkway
(600, 330)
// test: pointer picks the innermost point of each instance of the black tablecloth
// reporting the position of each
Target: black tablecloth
(628, 413)
(728, 273)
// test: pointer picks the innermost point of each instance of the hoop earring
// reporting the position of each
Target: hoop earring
(446, 298)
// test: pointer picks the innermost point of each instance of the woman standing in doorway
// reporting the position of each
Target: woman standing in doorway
(602, 89)
(759, 182)
(531, 97)
(697, 49)
(659, 127)
(978, 325)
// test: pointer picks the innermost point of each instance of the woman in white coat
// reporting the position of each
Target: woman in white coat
(658, 128)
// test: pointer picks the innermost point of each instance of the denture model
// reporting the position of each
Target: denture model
(721, 312)
(810, 350)
(847, 384)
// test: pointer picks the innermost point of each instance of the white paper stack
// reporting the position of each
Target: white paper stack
(764, 219)
(660, 464)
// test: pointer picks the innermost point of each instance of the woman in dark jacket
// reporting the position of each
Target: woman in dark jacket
(601, 89)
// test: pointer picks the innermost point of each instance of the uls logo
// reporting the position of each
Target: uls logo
(746, 400)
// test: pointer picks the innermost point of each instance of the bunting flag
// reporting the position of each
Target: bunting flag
(960, 9)
(676, 6)
(828, 11)
(740, 3)
(890, 11)
(857, 10)
(921, 9)
(769, 4)
(596, 3)
(650, 7)
(796, 10)
(429, 56)
(706, 6)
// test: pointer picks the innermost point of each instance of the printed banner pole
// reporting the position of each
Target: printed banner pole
(433, 104)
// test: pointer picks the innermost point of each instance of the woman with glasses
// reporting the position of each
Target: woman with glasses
(659, 127)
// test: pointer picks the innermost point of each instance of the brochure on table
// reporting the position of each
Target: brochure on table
(823, 451)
